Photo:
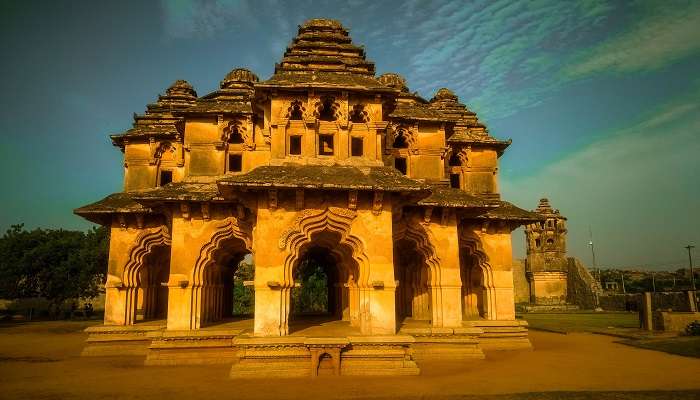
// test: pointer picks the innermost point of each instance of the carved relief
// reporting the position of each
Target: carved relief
(237, 132)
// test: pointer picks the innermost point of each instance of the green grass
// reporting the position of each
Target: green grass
(581, 322)
(688, 346)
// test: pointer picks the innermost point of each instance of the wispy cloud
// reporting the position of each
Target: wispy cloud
(628, 187)
(669, 34)
(500, 56)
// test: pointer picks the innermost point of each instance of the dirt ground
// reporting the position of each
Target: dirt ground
(41, 360)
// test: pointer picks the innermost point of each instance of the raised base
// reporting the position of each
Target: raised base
(502, 335)
(290, 357)
(304, 355)
(117, 340)
(459, 343)
(193, 347)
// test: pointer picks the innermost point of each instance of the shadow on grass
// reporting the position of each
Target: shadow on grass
(687, 346)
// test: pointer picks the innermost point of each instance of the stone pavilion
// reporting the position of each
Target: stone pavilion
(394, 195)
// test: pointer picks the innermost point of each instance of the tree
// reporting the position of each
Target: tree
(53, 264)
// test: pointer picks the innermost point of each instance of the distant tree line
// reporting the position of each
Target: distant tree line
(55, 264)
(636, 282)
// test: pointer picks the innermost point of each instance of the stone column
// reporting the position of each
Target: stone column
(647, 312)
(496, 243)
(447, 292)
(377, 302)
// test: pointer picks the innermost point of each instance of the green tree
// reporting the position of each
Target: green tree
(57, 265)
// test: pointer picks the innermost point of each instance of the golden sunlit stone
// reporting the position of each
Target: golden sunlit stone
(398, 194)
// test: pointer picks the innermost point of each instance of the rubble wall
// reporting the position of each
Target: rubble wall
(520, 284)
(582, 288)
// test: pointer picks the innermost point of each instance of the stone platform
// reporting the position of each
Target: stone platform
(313, 348)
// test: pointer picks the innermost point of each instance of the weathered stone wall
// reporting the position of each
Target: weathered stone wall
(582, 289)
(676, 301)
(520, 284)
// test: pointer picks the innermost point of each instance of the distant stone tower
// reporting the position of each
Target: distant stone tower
(546, 265)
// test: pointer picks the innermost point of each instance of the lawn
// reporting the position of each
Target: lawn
(582, 321)
(688, 346)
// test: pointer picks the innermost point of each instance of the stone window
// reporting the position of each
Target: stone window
(296, 112)
(295, 145)
(401, 165)
(400, 141)
(454, 160)
(326, 110)
(454, 181)
(356, 146)
(166, 177)
(550, 241)
(325, 145)
(236, 137)
(538, 243)
(358, 114)
(235, 163)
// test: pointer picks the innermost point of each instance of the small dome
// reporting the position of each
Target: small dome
(238, 76)
(181, 88)
(444, 94)
(393, 80)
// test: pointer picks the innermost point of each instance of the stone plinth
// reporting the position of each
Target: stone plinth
(117, 340)
(287, 357)
(193, 347)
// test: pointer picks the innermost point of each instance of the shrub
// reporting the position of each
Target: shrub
(693, 328)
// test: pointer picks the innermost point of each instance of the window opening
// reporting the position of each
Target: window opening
(356, 146)
(166, 177)
(401, 165)
(295, 145)
(325, 145)
(235, 163)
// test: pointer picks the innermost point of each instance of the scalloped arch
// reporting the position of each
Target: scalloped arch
(311, 222)
(227, 230)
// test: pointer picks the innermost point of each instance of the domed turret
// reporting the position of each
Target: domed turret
(444, 94)
(181, 88)
(238, 77)
(393, 80)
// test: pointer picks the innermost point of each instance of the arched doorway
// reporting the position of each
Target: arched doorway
(145, 277)
(477, 288)
(413, 293)
(324, 287)
(222, 288)
(151, 286)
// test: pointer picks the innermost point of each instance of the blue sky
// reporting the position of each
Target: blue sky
(601, 98)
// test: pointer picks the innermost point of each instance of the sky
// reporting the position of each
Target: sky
(600, 98)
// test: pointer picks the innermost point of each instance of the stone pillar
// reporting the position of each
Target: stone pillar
(378, 301)
(646, 312)
(692, 303)
(272, 293)
(496, 243)
(447, 293)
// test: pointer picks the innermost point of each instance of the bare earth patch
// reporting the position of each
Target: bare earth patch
(574, 366)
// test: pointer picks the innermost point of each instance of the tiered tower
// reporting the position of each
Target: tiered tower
(547, 265)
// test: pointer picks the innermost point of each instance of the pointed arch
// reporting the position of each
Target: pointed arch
(332, 219)
(472, 244)
(421, 292)
(237, 132)
(402, 137)
(226, 231)
(144, 244)
(328, 109)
